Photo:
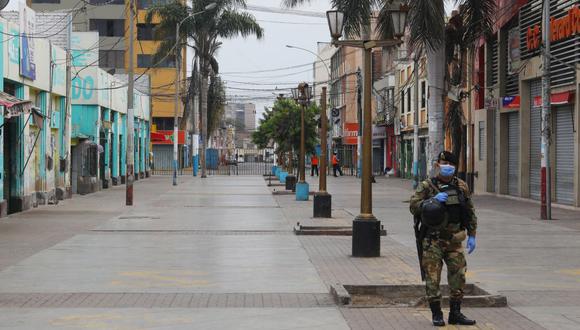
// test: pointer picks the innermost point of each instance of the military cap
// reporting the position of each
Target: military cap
(447, 156)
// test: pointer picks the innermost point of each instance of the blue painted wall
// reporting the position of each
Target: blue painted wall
(85, 120)
(115, 146)
(124, 145)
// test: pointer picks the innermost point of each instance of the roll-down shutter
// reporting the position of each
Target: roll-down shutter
(513, 153)
(535, 141)
(564, 155)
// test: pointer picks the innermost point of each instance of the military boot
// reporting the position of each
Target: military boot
(437, 314)
(455, 315)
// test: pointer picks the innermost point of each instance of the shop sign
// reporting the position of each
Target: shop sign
(379, 132)
(166, 137)
(511, 102)
(27, 30)
(350, 136)
(560, 29)
(514, 51)
(556, 99)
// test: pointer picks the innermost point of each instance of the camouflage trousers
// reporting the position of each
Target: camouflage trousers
(435, 252)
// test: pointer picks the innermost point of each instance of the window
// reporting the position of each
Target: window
(146, 31)
(163, 124)
(402, 101)
(108, 2)
(409, 99)
(108, 27)
(481, 140)
(146, 61)
(144, 4)
(45, 1)
(112, 59)
(423, 95)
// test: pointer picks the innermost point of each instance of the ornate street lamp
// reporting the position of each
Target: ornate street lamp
(335, 23)
(399, 20)
(302, 96)
(366, 229)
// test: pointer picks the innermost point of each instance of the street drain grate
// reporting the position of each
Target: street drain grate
(327, 230)
(412, 295)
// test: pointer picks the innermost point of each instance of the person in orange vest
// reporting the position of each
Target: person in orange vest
(336, 165)
(314, 165)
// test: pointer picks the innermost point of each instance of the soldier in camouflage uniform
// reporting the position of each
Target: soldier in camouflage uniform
(444, 242)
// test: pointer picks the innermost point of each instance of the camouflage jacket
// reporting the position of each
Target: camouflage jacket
(425, 191)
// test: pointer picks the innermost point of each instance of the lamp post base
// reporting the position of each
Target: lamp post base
(291, 182)
(302, 191)
(366, 237)
(322, 205)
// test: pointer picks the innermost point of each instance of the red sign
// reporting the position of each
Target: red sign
(511, 102)
(556, 99)
(560, 28)
(166, 137)
(350, 135)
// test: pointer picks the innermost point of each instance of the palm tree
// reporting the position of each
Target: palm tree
(206, 30)
(443, 44)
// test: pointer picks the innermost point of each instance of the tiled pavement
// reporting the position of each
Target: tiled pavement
(196, 257)
(510, 236)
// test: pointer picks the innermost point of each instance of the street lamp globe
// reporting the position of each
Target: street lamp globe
(399, 19)
(295, 94)
(335, 23)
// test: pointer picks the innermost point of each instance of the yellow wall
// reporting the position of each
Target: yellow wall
(162, 79)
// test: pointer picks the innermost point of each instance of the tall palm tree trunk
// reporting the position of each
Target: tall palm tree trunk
(203, 98)
(436, 102)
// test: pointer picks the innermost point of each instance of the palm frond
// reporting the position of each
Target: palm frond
(478, 18)
(427, 23)
(232, 23)
(384, 21)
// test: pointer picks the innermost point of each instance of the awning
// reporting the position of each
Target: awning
(556, 99)
(13, 106)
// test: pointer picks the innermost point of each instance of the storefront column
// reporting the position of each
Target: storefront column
(115, 145)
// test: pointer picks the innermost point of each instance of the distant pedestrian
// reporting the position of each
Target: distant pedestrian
(314, 165)
(336, 165)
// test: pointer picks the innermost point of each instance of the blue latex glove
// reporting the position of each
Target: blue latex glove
(470, 244)
(441, 197)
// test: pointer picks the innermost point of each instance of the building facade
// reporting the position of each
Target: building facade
(507, 120)
(57, 141)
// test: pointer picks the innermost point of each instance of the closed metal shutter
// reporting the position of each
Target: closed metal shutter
(494, 153)
(564, 155)
(513, 153)
(535, 141)
(481, 137)
(162, 159)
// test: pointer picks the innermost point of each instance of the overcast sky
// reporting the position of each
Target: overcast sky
(240, 58)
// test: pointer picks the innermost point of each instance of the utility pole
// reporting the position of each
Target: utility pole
(176, 106)
(130, 131)
(416, 124)
(546, 189)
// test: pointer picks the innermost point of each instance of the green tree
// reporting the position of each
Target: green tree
(446, 45)
(216, 101)
(282, 126)
(206, 30)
